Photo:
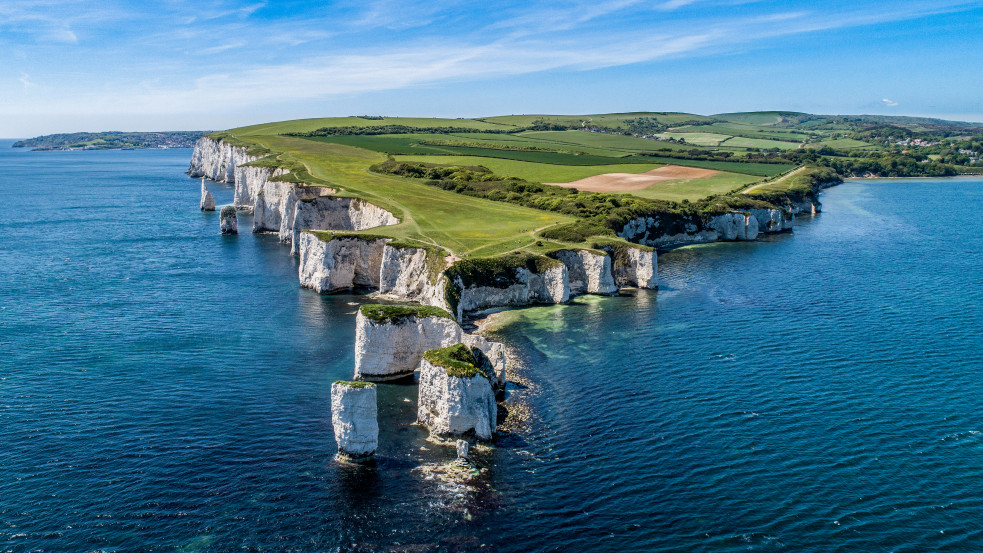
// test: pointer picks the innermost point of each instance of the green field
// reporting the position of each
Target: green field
(742, 142)
(470, 186)
(536, 172)
(694, 189)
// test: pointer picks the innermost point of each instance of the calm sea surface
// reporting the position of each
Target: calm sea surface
(165, 388)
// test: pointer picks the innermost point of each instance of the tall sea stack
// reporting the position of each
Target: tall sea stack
(354, 415)
(230, 221)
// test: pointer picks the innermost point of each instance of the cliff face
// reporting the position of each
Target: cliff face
(355, 419)
(340, 263)
(393, 349)
(587, 272)
(773, 220)
(735, 226)
(412, 274)
(634, 267)
(527, 287)
(386, 350)
(277, 206)
(451, 406)
(663, 232)
(217, 160)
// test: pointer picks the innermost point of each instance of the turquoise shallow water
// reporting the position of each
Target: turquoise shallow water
(164, 388)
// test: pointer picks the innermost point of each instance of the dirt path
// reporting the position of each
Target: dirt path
(771, 182)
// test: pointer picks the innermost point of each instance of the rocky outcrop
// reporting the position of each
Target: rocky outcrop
(229, 222)
(413, 274)
(491, 352)
(666, 231)
(588, 272)
(207, 200)
(735, 226)
(455, 397)
(391, 347)
(217, 160)
(512, 286)
(661, 232)
(634, 267)
(772, 220)
(250, 182)
(390, 340)
(808, 206)
(341, 263)
(278, 205)
(354, 416)
(323, 212)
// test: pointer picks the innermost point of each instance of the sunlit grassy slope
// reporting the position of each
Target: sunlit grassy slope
(467, 225)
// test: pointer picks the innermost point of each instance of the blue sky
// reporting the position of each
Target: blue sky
(69, 65)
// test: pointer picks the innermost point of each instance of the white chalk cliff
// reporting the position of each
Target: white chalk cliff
(278, 206)
(410, 274)
(588, 272)
(354, 416)
(229, 220)
(341, 263)
(525, 288)
(393, 349)
(452, 406)
(207, 200)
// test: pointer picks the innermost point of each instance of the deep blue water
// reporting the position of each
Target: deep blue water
(165, 388)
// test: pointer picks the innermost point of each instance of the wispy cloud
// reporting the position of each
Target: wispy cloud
(25, 80)
(223, 47)
(889, 103)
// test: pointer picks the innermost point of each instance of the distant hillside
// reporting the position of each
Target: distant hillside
(113, 140)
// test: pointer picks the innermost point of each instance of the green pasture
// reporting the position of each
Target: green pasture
(428, 215)
(535, 172)
(695, 189)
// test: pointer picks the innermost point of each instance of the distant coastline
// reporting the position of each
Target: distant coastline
(112, 140)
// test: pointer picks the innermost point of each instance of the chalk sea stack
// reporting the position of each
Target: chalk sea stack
(456, 396)
(207, 200)
(354, 416)
(230, 221)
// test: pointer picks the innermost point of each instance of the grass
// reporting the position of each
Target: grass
(697, 138)
(394, 314)
(481, 225)
(429, 216)
(536, 172)
(354, 383)
(694, 189)
(758, 169)
(743, 142)
(458, 360)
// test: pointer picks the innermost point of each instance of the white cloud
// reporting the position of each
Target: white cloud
(25, 80)
(889, 103)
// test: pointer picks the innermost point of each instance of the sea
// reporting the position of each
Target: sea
(167, 388)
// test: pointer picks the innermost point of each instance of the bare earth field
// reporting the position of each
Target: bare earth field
(627, 182)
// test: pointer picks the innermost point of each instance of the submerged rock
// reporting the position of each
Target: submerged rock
(230, 221)
(354, 416)
(207, 201)
(456, 397)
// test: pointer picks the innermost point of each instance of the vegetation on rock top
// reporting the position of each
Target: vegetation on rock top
(458, 360)
(395, 314)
